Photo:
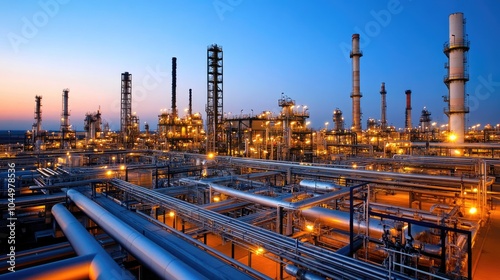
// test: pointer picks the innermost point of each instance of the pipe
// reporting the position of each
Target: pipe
(340, 220)
(392, 178)
(301, 274)
(356, 94)
(73, 268)
(102, 265)
(149, 253)
(319, 185)
(273, 202)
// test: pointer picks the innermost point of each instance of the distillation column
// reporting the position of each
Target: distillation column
(456, 49)
(126, 108)
(215, 99)
(356, 94)
(338, 120)
(408, 110)
(65, 127)
(383, 108)
(37, 126)
(190, 107)
(174, 87)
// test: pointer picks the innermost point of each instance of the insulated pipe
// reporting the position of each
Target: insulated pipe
(149, 253)
(360, 174)
(73, 268)
(319, 185)
(301, 274)
(273, 202)
(340, 220)
(102, 265)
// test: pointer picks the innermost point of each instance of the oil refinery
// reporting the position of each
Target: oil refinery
(221, 195)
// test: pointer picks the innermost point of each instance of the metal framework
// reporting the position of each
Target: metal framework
(215, 102)
(126, 107)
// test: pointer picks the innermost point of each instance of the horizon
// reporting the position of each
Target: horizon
(298, 49)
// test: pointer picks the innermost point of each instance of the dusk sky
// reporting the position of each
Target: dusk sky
(300, 48)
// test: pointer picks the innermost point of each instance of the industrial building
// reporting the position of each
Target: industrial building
(254, 196)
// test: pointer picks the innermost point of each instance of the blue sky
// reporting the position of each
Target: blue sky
(270, 47)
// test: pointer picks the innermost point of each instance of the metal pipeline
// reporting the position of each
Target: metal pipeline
(319, 185)
(102, 265)
(73, 268)
(150, 254)
(340, 220)
(302, 274)
(273, 202)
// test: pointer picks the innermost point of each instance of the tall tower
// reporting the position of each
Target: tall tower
(126, 108)
(383, 108)
(214, 107)
(190, 107)
(408, 109)
(174, 87)
(456, 49)
(38, 117)
(356, 94)
(65, 127)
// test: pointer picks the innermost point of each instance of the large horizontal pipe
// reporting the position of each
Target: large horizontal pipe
(301, 274)
(42, 199)
(102, 266)
(38, 258)
(340, 220)
(273, 202)
(319, 185)
(157, 259)
(73, 268)
(391, 177)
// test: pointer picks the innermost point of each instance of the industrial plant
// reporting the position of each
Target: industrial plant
(231, 195)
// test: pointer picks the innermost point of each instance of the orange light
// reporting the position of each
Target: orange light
(216, 199)
(473, 210)
(310, 227)
(259, 251)
(171, 214)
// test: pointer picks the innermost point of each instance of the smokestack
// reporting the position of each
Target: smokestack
(356, 94)
(190, 109)
(455, 50)
(408, 109)
(174, 87)
(38, 115)
(383, 107)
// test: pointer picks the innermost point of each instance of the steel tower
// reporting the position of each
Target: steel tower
(126, 107)
(215, 102)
